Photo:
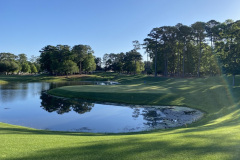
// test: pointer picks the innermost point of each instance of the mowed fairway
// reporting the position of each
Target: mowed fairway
(216, 136)
(138, 88)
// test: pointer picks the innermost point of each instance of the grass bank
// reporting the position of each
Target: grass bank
(4, 79)
(216, 136)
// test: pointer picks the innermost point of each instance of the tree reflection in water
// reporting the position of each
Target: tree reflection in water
(61, 106)
(162, 117)
(151, 117)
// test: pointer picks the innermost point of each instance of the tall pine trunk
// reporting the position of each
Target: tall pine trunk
(135, 67)
(199, 58)
(178, 66)
(156, 59)
(184, 52)
(165, 66)
(80, 67)
(183, 63)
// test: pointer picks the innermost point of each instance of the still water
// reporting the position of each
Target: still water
(27, 104)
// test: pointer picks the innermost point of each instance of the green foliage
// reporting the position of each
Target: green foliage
(46, 58)
(8, 66)
(69, 67)
(80, 54)
(139, 67)
(197, 50)
(98, 62)
(89, 63)
(10, 63)
(33, 68)
(7, 57)
(128, 62)
(3, 66)
(22, 58)
(13, 67)
(38, 67)
(54, 59)
(25, 67)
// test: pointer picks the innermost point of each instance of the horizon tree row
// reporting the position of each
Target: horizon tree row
(129, 62)
(18, 64)
(200, 49)
(64, 60)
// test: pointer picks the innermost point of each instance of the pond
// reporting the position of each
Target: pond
(27, 104)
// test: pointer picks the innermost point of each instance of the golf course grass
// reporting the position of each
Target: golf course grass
(4, 79)
(215, 136)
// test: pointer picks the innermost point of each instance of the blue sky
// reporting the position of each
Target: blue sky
(108, 26)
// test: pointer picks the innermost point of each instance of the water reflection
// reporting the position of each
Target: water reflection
(20, 91)
(27, 104)
(60, 105)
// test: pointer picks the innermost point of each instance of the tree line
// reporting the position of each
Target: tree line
(129, 62)
(203, 48)
(64, 60)
(55, 60)
(11, 63)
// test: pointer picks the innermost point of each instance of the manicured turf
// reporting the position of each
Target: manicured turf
(216, 136)
(43, 78)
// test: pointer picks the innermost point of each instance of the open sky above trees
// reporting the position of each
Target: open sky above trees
(107, 26)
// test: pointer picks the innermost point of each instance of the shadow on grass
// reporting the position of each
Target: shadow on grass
(12, 129)
(150, 147)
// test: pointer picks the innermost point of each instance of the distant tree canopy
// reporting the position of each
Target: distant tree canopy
(129, 62)
(10, 63)
(201, 49)
(62, 59)
(98, 62)
(197, 50)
